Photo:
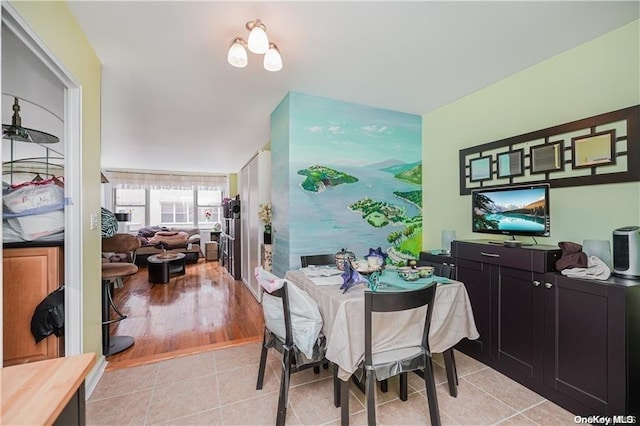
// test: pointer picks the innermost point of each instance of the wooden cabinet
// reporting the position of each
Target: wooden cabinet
(591, 346)
(29, 275)
(477, 279)
(517, 321)
(574, 341)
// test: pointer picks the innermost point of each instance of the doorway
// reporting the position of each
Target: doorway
(59, 94)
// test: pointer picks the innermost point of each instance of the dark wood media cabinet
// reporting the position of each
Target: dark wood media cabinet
(574, 341)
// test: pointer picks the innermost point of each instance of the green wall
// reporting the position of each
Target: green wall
(599, 76)
(55, 25)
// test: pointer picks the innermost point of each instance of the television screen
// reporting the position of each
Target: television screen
(521, 210)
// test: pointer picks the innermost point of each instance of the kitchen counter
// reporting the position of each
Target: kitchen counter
(38, 393)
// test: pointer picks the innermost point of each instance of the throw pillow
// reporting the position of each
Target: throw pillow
(109, 223)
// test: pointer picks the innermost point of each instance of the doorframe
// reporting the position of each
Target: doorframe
(73, 235)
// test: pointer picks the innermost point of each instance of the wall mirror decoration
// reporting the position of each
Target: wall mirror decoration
(510, 163)
(480, 169)
(547, 157)
(601, 149)
(595, 149)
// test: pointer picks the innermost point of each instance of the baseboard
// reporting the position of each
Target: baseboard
(94, 376)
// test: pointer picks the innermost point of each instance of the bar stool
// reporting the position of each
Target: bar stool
(110, 272)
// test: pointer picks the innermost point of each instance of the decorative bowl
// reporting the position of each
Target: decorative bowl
(409, 274)
(167, 255)
(425, 271)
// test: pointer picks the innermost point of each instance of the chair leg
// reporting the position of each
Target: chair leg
(452, 374)
(121, 316)
(263, 361)
(336, 386)
(404, 392)
(284, 389)
(430, 385)
(384, 385)
(370, 395)
(316, 369)
(344, 402)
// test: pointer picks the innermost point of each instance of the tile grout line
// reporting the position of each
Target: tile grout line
(215, 367)
(494, 397)
(513, 408)
(153, 392)
(529, 408)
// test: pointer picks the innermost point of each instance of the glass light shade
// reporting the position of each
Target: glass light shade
(237, 56)
(258, 41)
(447, 237)
(600, 249)
(272, 59)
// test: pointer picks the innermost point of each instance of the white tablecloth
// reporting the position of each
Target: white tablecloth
(343, 316)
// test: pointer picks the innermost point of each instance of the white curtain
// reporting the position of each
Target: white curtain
(158, 180)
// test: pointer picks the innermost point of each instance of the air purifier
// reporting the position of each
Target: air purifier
(626, 252)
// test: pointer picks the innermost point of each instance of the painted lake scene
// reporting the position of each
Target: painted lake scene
(358, 208)
(350, 177)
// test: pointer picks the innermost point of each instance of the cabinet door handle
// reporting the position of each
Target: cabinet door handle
(489, 254)
(536, 283)
(548, 285)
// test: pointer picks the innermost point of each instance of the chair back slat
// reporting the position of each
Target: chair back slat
(440, 269)
(396, 302)
(448, 271)
(318, 259)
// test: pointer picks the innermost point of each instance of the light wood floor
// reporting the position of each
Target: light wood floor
(204, 308)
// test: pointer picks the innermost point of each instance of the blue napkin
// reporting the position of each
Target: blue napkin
(390, 280)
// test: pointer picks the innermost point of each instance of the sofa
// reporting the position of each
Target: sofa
(156, 239)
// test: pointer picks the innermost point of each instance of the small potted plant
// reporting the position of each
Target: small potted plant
(264, 214)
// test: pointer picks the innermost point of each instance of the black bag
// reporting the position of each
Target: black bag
(48, 317)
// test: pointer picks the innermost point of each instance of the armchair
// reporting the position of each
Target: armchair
(122, 243)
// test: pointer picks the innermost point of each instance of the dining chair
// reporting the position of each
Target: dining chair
(382, 365)
(293, 360)
(448, 271)
(318, 260)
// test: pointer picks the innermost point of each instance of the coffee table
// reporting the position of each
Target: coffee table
(165, 265)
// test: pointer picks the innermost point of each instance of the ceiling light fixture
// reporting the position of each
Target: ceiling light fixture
(258, 43)
(237, 53)
(16, 132)
(272, 59)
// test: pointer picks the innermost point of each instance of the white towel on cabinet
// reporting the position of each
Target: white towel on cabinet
(596, 270)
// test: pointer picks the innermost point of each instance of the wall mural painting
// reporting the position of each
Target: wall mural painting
(356, 179)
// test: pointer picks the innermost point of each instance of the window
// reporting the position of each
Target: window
(131, 201)
(175, 213)
(170, 207)
(209, 208)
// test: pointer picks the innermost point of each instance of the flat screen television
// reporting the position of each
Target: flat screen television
(514, 210)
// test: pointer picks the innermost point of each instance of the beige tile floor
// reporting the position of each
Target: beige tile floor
(218, 388)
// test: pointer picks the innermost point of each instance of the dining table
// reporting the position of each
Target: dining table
(343, 316)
